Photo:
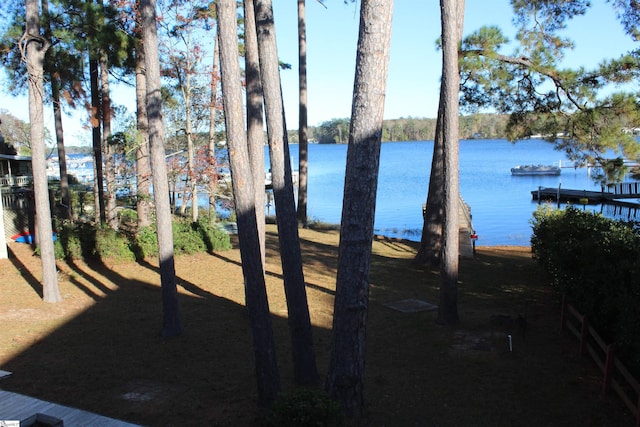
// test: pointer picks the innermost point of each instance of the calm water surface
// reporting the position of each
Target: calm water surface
(501, 204)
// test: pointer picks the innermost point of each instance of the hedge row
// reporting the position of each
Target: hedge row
(81, 240)
(595, 261)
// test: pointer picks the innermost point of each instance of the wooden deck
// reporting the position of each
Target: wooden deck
(14, 406)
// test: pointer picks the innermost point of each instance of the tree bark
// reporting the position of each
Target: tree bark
(430, 250)
(345, 380)
(65, 197)
(96, 137)
(255, 128)
(431, 243)
(171, 325)
(452, 12)
(143, 167)
(267, 373)
(303, 143)
(213, 108)
(108, 148)
(304, 361)
(186, 96)
(36, 46)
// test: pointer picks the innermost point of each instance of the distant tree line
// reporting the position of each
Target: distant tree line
(474, 126)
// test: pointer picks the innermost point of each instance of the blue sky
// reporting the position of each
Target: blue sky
(414, 69)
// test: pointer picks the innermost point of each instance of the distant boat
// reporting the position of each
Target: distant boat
(536, 170)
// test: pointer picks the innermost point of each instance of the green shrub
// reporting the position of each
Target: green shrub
(113, 245)
(215, 240)
(58, 249)
(595, 261)
(186, 239)
(77, 239)
(304, 408)
(128, 216)
(146, 242)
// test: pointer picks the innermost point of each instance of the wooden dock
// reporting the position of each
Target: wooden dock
(467, 235)
(620, 192)
(571, 196)
(31, 411)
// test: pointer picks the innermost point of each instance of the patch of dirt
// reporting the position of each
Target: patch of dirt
(101, 350)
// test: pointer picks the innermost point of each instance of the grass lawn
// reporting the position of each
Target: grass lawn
(100, 349)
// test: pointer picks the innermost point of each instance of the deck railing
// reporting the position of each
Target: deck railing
(15, 181)
(16, 200)
(626, 188)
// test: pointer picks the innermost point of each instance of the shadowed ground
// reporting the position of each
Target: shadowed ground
(100, 350)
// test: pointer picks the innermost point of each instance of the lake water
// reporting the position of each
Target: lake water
(501, 204)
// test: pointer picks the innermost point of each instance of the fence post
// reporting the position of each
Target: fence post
(584, 334)
(3, 239)
(608, 368)
(563, 313)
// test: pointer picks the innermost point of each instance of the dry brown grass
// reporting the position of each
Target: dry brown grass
(100, 349)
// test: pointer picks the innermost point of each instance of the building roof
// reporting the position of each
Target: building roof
(15, 157)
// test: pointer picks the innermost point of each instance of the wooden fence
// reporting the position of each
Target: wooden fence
(18, 208)
(616, 376)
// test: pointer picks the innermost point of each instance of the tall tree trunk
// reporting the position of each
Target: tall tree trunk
(98, 181)
(267, 374)
(143, 167)
(171, 325)
(213, 108)
(430, 250)
(36, 46)
(304, 361)
(65, 197)
(107, 148)
(452, 14)
(303, 147)
(186, 96)
(255, 129)
(345, 380)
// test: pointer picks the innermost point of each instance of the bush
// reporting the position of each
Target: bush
(58, 249)
(186, 239)
(304, 408)
(81, 240)
(113, 245)
(146, 242)
(595, 261)
(128, 216)
(214, 239)
(77, 239)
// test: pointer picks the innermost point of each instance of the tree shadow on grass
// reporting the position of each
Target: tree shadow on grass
(24, 271)
(110, 359)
